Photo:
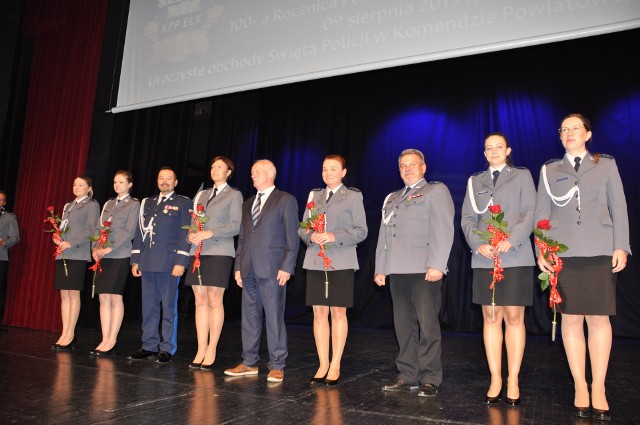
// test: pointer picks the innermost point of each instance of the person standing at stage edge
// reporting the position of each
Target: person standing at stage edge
(9, 236)
(160, 255)
(265, 260)
(415, 239)
(582, 197)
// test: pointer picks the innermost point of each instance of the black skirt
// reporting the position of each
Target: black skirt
(113, 277)
(75, 280)
(340, 288)
(215, 270)
(515, 289)
(587, 286)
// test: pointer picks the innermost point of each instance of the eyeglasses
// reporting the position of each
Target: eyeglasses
(566, 130)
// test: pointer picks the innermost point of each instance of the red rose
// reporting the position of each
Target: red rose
(311, 205)
(50, 209)
(200, 208)
(107, 224)
(495, 209)
(544, 225)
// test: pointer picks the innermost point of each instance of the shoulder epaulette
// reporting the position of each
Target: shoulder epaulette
(91, 199)
(518, 167)
(182, 196)
(398, 190)
(317, 189)
(355, 189)
(606, 155)
(435, 182)
(552, 160)
(478, 173)
(134, 199)
(234, 188)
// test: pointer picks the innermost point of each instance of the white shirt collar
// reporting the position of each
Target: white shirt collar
(492, 169)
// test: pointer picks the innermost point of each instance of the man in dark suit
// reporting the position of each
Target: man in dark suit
(416, 234)
(265, 260)
(9, 236)
(160, 255)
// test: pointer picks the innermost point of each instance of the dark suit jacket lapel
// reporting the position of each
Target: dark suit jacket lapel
(271, 200)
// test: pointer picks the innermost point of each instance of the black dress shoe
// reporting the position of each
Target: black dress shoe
(142, 354)
(93, 352)
(206, 366)
(581, 412)
(163, 357)
(399, 385)
(601, 415)
(69, 347)
(493, 400)
(428, 390)
(513, 402)
(195, 365)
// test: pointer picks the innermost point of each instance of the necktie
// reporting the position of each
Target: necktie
(406, 191)
(577, 160)
(215, 192)
(118, 201)
(330, 195)
(496, 173)
(255, 211)
(162, 199)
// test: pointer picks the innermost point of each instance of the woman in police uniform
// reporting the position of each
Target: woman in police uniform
(80, 217)
(122, 214)
(346, 226)
(583, 198)
(511, 188)
(223, 205)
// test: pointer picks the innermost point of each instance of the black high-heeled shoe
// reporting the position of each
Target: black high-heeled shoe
(314, 380)
(601, 415)
(513, 402)
(101, 353)
(493, 400)
(69, 347)
(581, 412)
(195, 365)
(331, 382)
(206, 366)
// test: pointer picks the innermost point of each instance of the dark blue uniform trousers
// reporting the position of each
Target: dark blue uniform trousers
(159, 288)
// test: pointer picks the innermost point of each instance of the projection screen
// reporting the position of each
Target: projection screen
(177, 50)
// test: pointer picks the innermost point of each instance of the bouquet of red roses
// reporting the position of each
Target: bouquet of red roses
(199, 219)
(496, 232)
(101, 241)
(55, 220)
(317, 223)
(549, 249)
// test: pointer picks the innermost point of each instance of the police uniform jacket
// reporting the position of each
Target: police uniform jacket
(160, 243)
(416, 231)
(123, 216)
(594, 220)
(346, 219)
(224, 212)
(516, 194)
(82, 221)
(8, 232)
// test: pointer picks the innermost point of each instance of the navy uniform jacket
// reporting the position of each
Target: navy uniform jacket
(224, 212)
(82, 221)
(346, 219)
(8, 232)
(416, 231)
(516, 194)
(123, 216)
(272, 244)
(160, 242)
(601, 224)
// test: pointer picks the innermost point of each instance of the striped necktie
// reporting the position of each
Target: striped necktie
(255, 211)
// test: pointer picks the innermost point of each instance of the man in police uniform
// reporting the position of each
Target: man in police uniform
(9, 236)
(416, 234)
(160, 255)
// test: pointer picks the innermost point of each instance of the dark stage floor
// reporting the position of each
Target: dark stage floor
(38, 386)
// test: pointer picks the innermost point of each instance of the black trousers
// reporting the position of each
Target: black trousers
(416, 305)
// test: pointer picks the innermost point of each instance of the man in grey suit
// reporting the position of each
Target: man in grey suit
(265, 260)
(9, 236)
(416, 234)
